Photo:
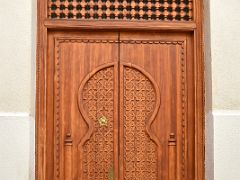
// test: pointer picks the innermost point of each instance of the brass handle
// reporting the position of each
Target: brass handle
(103, 121)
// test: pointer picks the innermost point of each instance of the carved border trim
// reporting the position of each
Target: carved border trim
(80, 40)
(59, 40)
(183, 103)
(57, 112)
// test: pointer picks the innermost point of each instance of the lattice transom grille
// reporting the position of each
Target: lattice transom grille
(163, 10)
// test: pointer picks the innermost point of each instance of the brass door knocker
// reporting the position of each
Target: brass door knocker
(103, 121)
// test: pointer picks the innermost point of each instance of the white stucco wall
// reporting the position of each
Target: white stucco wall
(15, 146)
(17, 80)
(17, 76)
(225, 29)
(225, 70)
(226, 145)
(15, 58)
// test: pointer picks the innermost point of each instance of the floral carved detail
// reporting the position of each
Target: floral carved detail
(97, 102)
(140, 151)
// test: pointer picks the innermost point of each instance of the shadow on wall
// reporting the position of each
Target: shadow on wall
(33, 91)
(209, 128)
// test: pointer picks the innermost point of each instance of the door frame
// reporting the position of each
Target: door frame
(44, 25)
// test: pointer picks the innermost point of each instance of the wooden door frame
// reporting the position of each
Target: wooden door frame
(44, 24)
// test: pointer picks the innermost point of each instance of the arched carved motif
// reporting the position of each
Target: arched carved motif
(141, 101)
(96, 102)
(156, 91)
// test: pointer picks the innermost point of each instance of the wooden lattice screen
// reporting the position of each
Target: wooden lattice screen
(162, 10)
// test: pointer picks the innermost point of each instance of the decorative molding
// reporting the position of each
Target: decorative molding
(57, 94)
(151, 42)
(119, 25)
(183, 104)
(80, 40)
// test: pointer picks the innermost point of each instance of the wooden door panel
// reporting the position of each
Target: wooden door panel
(98, 104)
(139, 104)
(164, 56)
(76, 147)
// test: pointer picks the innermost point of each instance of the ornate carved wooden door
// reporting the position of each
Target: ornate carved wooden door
(119, 99)
(119, 106)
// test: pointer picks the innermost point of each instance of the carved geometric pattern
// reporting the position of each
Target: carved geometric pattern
(97, 102)
(140, 152)
(161, 10)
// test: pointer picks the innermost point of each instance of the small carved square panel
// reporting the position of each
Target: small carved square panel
(159, 10)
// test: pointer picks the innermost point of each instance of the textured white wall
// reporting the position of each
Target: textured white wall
(226, 145)
(17, 74)
(15, 55)
(225, 67)
(15, 149)
(225, 37)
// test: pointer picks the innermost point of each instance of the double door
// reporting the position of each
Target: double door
(120, 105)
